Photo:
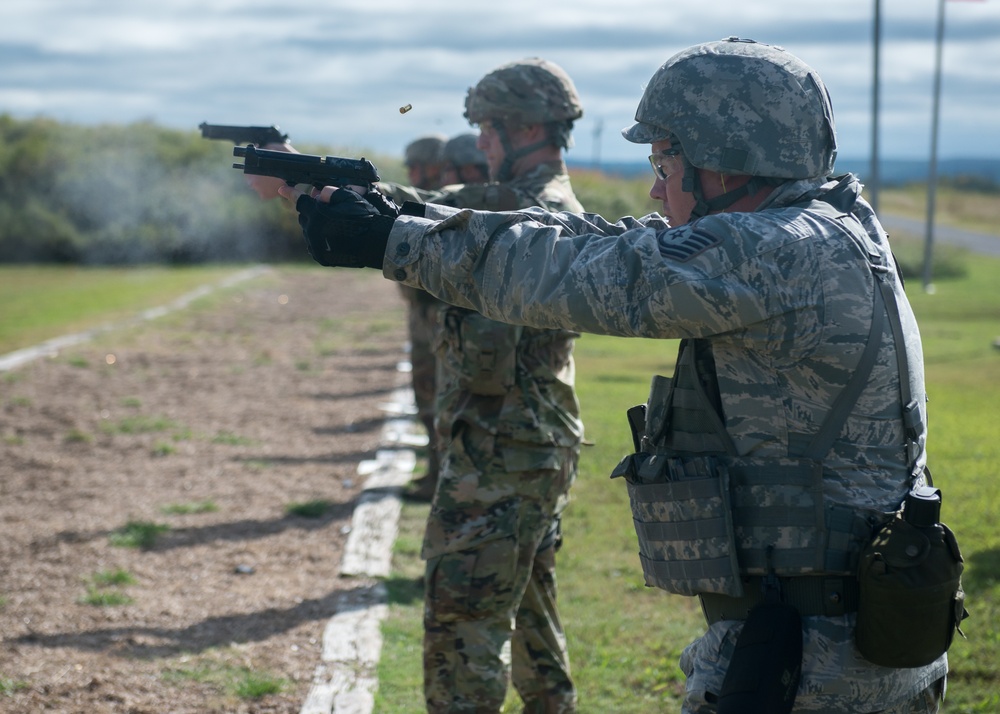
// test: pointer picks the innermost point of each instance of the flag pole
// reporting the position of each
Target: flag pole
(873, 184)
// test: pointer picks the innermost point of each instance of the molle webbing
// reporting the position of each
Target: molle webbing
(681, 417)
(780, 501)
(684, 526)
(700, 520)
(705, 518)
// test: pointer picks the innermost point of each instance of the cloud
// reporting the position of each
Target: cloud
(336, 72)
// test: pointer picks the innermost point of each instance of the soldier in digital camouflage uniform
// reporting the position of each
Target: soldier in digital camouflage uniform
(424, 161)
(508, 426)
(769, 269)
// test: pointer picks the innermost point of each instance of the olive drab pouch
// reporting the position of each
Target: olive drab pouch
(911, 599)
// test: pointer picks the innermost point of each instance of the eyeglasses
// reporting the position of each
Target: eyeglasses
(660, 158)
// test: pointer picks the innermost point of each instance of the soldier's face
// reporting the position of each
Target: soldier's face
(490, 144)
(426, 176)
(676, 203)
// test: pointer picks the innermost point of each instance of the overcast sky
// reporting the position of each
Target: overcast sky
(336, 73)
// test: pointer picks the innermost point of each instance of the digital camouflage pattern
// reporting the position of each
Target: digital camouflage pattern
(782, 298)
(510, 432)
(709, 97)
(826, 645)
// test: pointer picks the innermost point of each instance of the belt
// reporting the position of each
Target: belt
(810, 595)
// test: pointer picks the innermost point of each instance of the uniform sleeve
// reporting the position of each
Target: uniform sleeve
(633, 278)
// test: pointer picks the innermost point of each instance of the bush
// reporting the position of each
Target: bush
(128, 195)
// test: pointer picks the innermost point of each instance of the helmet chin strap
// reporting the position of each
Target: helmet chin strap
(702, 206)
(511, 155)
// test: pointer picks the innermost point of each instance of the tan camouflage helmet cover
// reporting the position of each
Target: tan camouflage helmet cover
(528, 91)
(740, 107)
(425, 150)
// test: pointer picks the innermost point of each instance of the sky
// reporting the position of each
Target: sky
(336, 73)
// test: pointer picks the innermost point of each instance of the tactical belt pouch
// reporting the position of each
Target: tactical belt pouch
(683, 518)
(911, 598)
(487, 353)
(764, 671)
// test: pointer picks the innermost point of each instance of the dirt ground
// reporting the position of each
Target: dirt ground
(204, 426)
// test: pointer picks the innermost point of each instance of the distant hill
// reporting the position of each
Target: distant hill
(893, 171)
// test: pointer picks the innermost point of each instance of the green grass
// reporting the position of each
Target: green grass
(112, 578)
(140, 424)
(10, 686)
(104, 588)
(99, 597)
(231, 439)
(137, 534)
(214, 669)
(625, 639)
(181, 509)
(42, 302)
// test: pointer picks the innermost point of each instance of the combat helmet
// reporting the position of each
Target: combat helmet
(740, 107)
(425, 150)
(461, 150)
(528, 91)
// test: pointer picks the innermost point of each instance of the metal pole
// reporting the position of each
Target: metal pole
(873, 184)
(932, 168)
(598, 130)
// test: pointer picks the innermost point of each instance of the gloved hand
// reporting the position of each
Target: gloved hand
(348, 231)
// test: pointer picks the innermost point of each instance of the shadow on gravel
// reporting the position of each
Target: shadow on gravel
(358, 427)
(352, 457)
(361, 393)
(244, 530)
(156, 642)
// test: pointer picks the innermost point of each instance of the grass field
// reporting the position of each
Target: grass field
(42, 302)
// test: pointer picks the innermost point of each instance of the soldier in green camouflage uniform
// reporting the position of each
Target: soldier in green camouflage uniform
(768, 269)
(464, 161)
(424, 160)
(509, 429)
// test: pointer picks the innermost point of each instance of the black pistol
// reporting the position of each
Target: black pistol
(295, 169)
(258, 135)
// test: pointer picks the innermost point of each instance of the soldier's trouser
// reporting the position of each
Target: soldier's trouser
(499, 592)
(833, 674)
(421, 322)
(926, 702)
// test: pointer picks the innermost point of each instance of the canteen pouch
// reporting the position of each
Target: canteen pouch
(911, 597)
(682, 512)
(764, 671)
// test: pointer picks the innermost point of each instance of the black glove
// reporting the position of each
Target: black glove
(348, 231)
(382, 203)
